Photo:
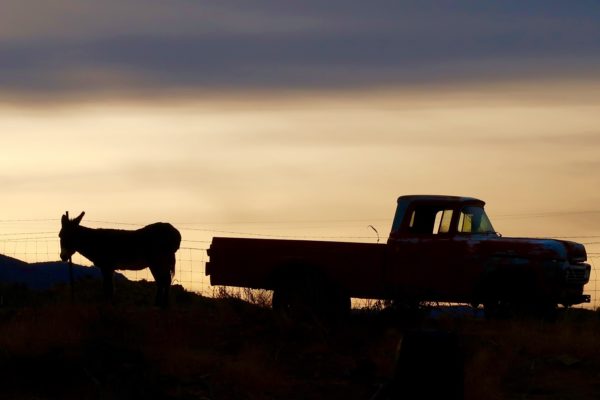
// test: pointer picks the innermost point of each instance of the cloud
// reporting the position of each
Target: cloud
(90, 47)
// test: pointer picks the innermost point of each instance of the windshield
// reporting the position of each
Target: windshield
(473, 219)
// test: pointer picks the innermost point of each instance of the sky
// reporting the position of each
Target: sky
(300, 118)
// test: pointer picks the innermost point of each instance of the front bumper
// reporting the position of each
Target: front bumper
(572, 297)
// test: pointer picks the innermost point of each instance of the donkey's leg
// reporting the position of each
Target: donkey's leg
(162, 277)
(107, 282)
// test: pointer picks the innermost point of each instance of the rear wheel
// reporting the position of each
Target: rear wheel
(309, 297)
(497, 309)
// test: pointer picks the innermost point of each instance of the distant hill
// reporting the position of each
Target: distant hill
(43, 275)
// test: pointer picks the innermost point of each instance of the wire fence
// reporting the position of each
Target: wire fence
(43, 245)
(189, 268)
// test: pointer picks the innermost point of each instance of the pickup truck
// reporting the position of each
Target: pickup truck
(440, 249)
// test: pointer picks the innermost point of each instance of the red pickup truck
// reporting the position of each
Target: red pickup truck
(440, 249)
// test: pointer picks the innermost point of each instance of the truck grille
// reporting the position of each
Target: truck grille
(578, 274)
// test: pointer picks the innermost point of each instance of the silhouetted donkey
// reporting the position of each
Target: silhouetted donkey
(152, 246)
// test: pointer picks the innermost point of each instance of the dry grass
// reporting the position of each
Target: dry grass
(227, 348)
(532, 359)
(258, 297)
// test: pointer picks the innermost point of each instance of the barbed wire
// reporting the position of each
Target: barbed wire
(206, 226)
(522, 214)
(29, 233)
(42, 235)
(545, 214)
(42, 246)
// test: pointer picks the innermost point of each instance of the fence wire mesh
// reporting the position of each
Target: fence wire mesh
(191, 258)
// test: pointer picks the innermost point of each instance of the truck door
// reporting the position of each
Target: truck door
(424, 263)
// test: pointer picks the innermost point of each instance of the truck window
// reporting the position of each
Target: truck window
(428, 220)
(474, 220)
(442, 224)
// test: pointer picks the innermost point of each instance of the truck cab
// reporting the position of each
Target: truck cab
(450, 251)
(439, 215)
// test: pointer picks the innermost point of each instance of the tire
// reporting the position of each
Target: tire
(544, 310)
(309, 297)
(498, 309)
(507, 295)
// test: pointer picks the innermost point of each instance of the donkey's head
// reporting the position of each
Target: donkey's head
(67, 235)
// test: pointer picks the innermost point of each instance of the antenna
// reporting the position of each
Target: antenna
(372, 227)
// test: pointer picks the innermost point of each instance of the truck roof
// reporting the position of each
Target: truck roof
(442, 198)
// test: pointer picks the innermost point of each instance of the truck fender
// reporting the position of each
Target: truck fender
(505, 278)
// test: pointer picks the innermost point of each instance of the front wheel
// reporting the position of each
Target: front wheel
(545, 310)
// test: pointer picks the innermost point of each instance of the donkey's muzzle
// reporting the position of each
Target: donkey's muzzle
(64, 256)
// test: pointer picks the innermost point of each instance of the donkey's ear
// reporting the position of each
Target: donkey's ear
(65, 218)
(77, 220)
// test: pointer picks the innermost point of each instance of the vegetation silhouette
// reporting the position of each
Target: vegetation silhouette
(152, 246)
(229, 349)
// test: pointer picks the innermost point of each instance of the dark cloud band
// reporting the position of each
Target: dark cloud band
(332, 44)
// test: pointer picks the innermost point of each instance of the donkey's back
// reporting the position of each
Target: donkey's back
(133, 248)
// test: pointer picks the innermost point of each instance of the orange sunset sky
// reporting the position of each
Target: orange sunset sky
(304, 119)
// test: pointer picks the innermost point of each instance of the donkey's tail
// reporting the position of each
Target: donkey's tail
(172, 263)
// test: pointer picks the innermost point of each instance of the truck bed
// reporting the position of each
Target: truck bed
(254, 263)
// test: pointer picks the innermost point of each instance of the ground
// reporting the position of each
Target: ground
(55, 346)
